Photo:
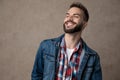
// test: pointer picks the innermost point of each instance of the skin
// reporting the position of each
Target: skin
(74, 16)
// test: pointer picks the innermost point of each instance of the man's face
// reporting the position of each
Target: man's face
(73, 21)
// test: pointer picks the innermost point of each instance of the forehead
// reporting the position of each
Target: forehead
(74, 10)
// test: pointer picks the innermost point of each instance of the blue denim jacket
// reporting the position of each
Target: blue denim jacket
(46, 62)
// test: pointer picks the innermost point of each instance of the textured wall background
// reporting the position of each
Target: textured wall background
(24, 23)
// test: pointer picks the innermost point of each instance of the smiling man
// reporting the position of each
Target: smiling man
(68, 57)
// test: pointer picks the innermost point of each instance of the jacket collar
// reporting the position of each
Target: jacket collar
(58, 40)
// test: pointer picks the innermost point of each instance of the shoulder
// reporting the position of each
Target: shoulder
(93, 55)
(51, 41)
(89, 50)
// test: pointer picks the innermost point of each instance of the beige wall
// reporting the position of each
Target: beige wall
(24, 23)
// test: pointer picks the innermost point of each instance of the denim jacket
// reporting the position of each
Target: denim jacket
(46, 62)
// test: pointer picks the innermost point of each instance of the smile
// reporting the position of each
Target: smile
(69, 24)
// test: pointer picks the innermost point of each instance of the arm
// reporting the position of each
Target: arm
(37, 72)
(97, 73)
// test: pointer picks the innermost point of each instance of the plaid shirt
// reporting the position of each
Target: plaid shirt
(67, 70)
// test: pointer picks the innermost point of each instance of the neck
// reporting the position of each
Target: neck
(72, 40)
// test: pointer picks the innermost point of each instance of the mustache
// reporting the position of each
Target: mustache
(70, 21)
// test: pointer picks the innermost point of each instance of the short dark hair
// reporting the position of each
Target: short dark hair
(83, 8)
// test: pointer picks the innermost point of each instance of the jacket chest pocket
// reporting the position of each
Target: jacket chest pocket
(49, 58)
(87, 73)
(89, 69)
(49, 63)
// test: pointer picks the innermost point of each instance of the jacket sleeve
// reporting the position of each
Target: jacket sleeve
(97, 72)
(37, 72)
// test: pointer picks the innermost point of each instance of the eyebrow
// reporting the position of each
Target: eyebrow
(73, 14)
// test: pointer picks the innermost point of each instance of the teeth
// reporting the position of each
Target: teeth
(69, 24)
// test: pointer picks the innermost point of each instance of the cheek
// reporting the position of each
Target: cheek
(78, 21)
(65, 19)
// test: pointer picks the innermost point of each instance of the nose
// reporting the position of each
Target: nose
(70, 18)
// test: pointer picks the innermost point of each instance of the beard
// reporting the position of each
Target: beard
(77, 28)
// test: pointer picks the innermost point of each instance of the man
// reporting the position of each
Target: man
(68, 57)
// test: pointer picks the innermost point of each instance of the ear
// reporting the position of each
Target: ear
(84, 24)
